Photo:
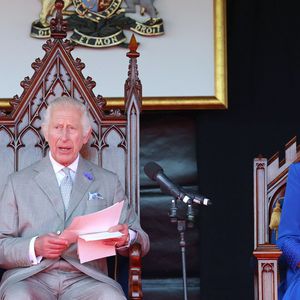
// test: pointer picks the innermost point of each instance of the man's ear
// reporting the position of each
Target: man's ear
(87, 136)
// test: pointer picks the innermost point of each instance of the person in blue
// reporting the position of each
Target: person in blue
(289, 235)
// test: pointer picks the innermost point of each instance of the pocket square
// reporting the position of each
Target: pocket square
(95, 196)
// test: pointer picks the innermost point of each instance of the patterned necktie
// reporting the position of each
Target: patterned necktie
(66, 187)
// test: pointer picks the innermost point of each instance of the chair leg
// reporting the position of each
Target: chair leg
(135, 272)
(267, 256)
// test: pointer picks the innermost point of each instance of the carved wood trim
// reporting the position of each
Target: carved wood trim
(267, 256)
(133, 104)
(260, 196)
(135, 273)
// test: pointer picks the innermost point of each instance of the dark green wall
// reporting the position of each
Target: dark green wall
(263, 115)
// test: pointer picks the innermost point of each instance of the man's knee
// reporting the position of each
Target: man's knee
(25, 290)
(93, 290)
(16, 292)
(112, 293)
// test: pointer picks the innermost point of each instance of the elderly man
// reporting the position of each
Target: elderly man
(39, 201)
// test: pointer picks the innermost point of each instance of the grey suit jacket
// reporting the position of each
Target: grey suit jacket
(31, 205)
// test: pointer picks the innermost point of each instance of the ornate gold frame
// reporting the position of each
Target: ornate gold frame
(217, 101)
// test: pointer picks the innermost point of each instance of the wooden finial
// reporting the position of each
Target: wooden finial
(133, 45)
(58, 25)
(133, 84)
(59, 4)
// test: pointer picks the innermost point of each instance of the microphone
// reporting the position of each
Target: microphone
(156, 173)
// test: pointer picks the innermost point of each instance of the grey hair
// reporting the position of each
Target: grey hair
(86, 118)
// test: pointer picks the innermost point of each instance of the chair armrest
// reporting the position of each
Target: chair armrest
(135, 272)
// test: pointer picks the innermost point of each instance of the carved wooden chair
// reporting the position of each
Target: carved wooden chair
(115, 137)
(270, 177)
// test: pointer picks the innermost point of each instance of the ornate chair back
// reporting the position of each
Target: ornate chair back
(270, 177)
(115, 134)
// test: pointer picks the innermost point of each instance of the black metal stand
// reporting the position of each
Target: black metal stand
(181, 228)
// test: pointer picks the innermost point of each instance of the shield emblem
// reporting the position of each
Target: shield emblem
(96, 9)
(96, 5)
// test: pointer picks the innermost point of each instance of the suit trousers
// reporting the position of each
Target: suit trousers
(64, 282)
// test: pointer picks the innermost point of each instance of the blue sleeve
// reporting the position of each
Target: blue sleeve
(289, 228)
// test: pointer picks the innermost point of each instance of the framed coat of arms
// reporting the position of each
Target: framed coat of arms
(182, 46)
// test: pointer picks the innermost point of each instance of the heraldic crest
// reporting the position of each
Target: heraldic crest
(100, 23)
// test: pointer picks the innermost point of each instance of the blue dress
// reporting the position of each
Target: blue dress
(289, 235)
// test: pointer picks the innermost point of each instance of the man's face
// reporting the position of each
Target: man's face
(64, 134)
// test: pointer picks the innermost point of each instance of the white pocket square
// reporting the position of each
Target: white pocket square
(95, 196)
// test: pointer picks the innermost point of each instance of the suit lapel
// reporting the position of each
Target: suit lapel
(84, 178)
(47, 181)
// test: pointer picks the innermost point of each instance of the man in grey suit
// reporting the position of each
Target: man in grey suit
(40, 201)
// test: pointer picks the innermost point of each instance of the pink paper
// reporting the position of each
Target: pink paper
(91, 250)
(95, 222)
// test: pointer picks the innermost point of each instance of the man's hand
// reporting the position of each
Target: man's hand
(50, 246)
(121, 241)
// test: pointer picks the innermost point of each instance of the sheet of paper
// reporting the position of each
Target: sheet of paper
(94, 223)
(100, 236)
(91, 250)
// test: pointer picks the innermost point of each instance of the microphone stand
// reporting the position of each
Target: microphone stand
(181, 228)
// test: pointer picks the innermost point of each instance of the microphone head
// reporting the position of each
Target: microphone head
(151, 169)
